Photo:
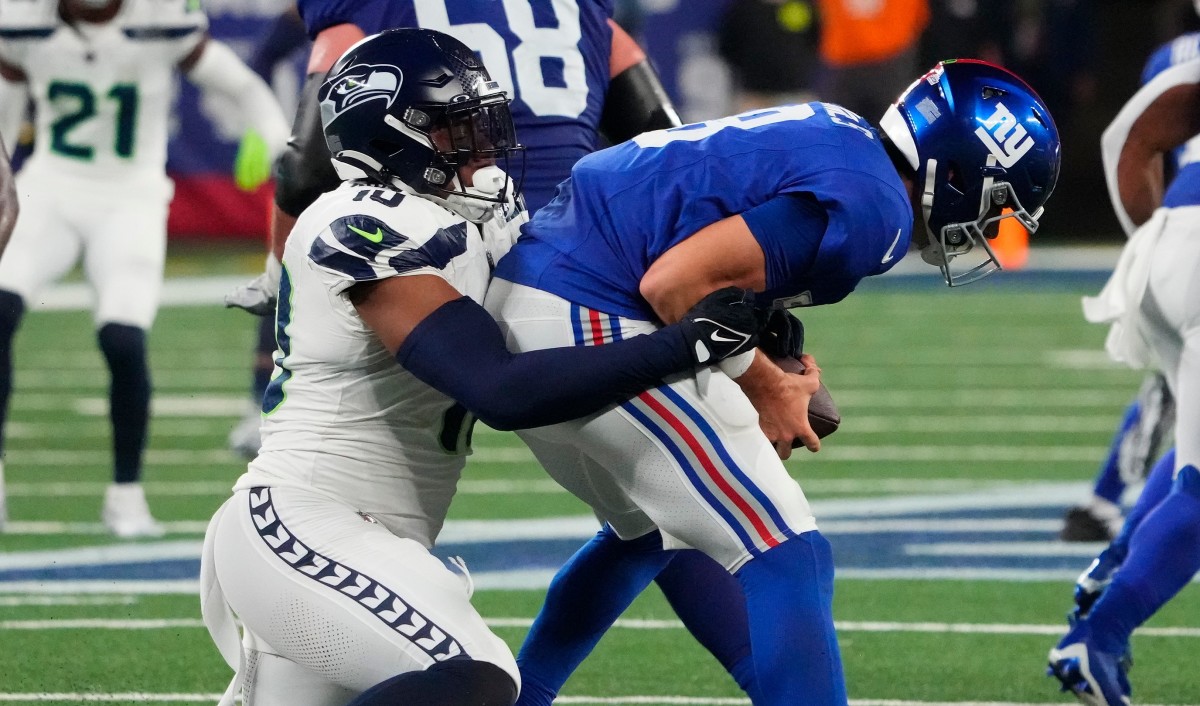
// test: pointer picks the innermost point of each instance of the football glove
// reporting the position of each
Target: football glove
(783, 335)
(252, 166)
(258, 296)
(722, 324)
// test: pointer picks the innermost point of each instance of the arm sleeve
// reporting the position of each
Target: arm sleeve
(636, 102)
(221, 70)
(303, 170)
(789, 228)
(460, 351)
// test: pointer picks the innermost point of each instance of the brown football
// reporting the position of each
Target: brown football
(823, 414)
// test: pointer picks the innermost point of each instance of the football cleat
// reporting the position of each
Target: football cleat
(126, 514)
(1096, 678)
(1089, 523)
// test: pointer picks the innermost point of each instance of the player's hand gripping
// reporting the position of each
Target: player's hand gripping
(721, 325)
(259, 294)
(782, 402)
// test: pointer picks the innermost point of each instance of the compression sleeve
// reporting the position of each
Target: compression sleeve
(460, 351)
(636, 102)
(303, 171)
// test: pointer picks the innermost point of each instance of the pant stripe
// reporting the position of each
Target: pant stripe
(686, 443)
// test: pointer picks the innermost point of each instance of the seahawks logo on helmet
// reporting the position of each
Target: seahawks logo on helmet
(361, 83)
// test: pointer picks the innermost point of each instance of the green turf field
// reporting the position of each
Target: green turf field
(951, 400)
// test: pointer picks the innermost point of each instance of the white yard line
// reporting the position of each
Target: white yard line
(624, 624)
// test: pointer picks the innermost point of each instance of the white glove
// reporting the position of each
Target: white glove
(258, 296)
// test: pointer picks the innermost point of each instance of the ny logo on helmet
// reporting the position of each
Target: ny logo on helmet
(1004, 137)
(361, 83)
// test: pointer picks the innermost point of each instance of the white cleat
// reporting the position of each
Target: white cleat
(126, 513)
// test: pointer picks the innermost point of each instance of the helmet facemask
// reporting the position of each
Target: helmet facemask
(477, 134)
(961, 250)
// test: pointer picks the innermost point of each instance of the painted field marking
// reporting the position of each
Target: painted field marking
(143, 697)
(1083, 550)
(27, 601)
(622, 623)
(521, 455)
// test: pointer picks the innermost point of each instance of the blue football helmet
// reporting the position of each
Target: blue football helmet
(983, 148)
(411, 107)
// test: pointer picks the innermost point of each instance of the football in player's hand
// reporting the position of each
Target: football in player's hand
(823, 414)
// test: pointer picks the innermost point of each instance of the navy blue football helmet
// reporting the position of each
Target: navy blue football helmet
(413, 106)
(982, 147)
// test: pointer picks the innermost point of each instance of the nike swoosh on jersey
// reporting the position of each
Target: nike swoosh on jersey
(887, 256)
(376, 237)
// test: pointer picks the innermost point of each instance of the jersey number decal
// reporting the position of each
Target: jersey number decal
(275, 395)
(745, 121)
(82, 107)
(540, 51)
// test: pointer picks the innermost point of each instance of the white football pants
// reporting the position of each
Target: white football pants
(1170, 322)
(329, 600)
(121, 234)
(687, 458)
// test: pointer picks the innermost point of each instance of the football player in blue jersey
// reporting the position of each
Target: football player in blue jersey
(385, 358)
(101, 74)
(571, 70)
(1151, 304)
(798, 203)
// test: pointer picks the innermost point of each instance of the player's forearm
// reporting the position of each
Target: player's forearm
(516, 391)
(219, 69)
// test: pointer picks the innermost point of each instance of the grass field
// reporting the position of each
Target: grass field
(972, 419)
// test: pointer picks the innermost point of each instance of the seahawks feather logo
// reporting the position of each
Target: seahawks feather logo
(361, 83)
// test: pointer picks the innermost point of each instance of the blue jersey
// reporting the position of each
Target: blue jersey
(627, 205)
(1184, 189)
(550, 56)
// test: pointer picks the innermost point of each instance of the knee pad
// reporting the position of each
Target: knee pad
(483, 683)
(12, 310)
(124, 346)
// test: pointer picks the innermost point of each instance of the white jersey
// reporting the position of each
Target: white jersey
(102, 92)
(341, 415)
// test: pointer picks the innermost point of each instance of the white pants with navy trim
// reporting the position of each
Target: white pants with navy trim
(330, 600)
(687, 457)
(120, 234)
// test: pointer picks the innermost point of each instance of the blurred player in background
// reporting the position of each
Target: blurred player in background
(386, 357)
(8, 218)
(571, 71)
(100, 75)
(798, 203)
(1152, 304)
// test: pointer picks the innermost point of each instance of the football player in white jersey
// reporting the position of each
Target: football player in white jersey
(323, 550)
(8, 218)
(101, 77)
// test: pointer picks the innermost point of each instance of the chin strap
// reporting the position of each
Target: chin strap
(932, 252)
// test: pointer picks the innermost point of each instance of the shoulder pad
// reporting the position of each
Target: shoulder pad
(368, 245)
(162, 19)
(28, 19)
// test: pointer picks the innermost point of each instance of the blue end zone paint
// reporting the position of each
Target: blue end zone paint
(868, 550)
